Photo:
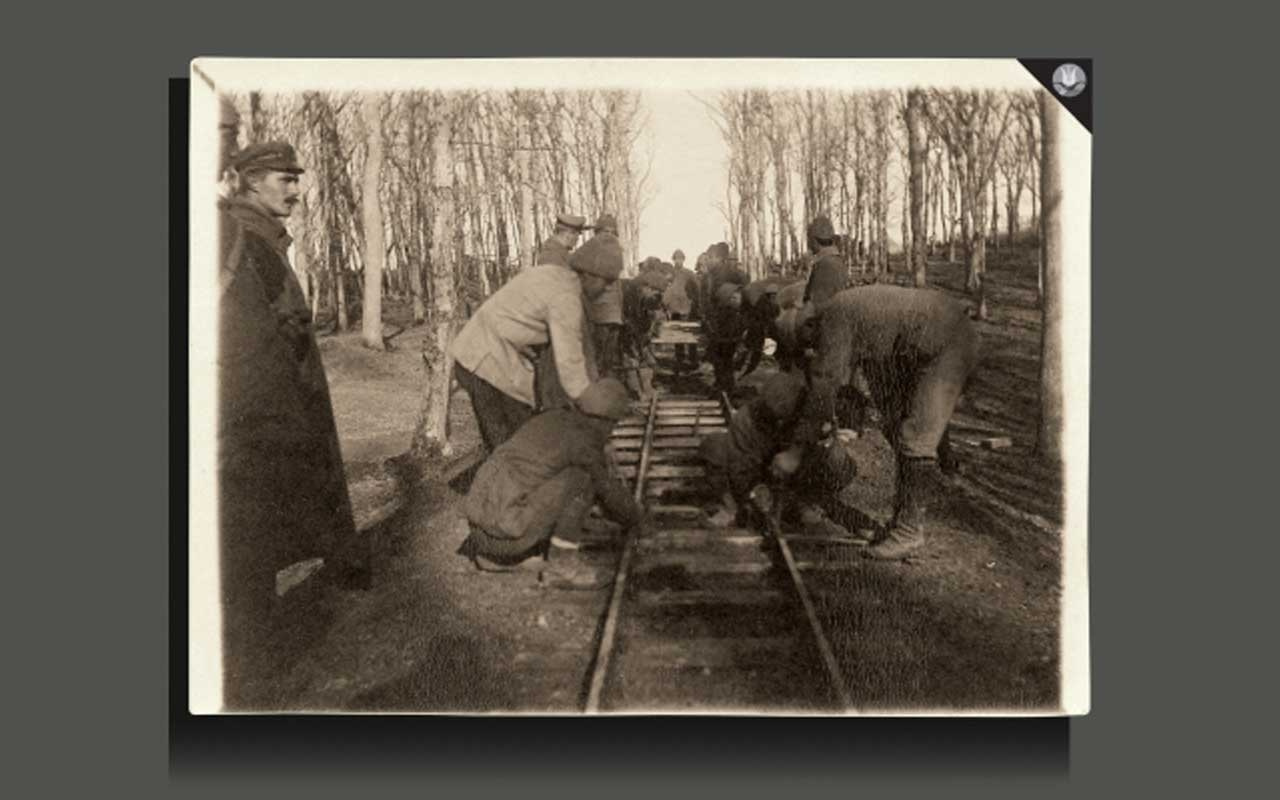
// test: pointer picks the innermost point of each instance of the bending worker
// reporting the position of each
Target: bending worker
(741, 461)
(543, 481)
(917, 348)
(498, 349)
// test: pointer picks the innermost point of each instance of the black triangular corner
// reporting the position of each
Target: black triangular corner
(1080, 106)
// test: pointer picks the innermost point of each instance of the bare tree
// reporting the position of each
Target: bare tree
(432, 435)
(917, 154)
(371, 327)
(1049, 440)
(973, 125)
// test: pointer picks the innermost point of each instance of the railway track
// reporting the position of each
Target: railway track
(704, 618)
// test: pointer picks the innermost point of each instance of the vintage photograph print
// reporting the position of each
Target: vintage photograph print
(639, 387)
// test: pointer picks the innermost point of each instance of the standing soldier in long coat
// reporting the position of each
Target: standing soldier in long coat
(282, 489)
(916, 348)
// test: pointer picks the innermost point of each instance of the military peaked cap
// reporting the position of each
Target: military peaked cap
(571, 221)
(275, 156)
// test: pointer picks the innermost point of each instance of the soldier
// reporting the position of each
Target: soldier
(678, 300)
(605, 312)
(727, 329)
(721, 299)
(563, 239)
(282, 490)
(739, 461)
(641, 305)
(498, 349)
(542, 482)
(916, 348)
(760, 314)
(829, 273)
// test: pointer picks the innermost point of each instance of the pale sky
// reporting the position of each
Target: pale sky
(689, 176)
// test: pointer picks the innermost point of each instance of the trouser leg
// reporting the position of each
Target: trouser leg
(933, 398)
(498, 415)
(607, 341)
(722, 361)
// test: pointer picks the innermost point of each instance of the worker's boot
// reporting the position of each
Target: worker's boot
(816, 523)
(563, 568)
(570, 522)
(915, 481)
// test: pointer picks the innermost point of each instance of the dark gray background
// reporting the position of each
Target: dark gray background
(1182, 296)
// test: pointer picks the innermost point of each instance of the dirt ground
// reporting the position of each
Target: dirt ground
(973, 622)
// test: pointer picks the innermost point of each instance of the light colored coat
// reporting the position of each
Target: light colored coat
(539, 306)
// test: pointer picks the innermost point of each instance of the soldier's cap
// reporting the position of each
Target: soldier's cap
(677, 255)
(605, 398)
(781, 394)
(650, 263)
(822, 229)
(607, 223)
(571, 221)
(273, 156)
(718, 251)
(601, 256)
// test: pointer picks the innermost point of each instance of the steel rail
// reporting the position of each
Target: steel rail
(604, 654)
(834, 677)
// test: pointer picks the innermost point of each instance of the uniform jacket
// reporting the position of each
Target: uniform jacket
(870, 324)
(552, 252)
(606, 309)
(285, 492)
(679, 296)
(828, 276)
(501, 343)
(543, 447)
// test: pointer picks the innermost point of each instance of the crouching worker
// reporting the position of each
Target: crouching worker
(742, 460)
(916, 348)
(542, 482)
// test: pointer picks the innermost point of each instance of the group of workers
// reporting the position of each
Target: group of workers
(551, 362)
(568, 342)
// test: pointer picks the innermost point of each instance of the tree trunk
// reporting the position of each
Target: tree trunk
(1049, 440)
(526, 210)
(1010, 210)
(916, 154)
(254, 132)
(339, 273)
(431, 438)
(371, 211)
(995, 216)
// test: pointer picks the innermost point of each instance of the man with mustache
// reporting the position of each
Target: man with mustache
(282, 490)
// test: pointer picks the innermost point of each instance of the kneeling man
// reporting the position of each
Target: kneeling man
(542, 482)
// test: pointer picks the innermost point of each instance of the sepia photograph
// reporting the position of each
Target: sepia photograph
(638, 386)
